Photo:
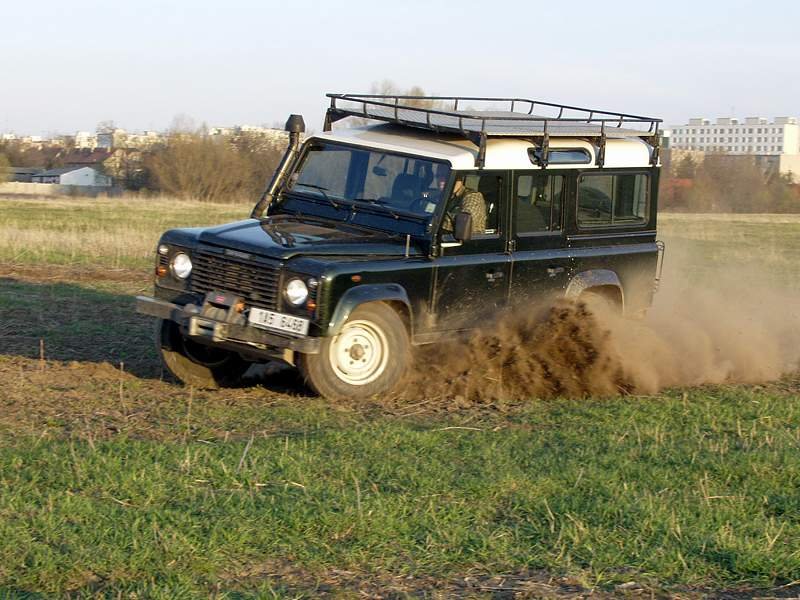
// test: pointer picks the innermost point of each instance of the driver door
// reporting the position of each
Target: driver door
(471, 280)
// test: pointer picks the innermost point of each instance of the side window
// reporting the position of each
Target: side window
(480, 196)
(613, 200)
(537, 204)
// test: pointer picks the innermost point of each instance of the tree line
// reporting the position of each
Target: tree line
(727, 183)
(188, 164)
(196, 166)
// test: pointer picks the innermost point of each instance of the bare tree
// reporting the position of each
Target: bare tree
(107, 126)
(387, 87)
(194, 165)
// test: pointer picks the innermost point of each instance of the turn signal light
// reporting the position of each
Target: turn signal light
(239, 306)
(161, 270)
(311, 306)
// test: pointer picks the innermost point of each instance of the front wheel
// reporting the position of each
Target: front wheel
(196, 364)
(368, 356)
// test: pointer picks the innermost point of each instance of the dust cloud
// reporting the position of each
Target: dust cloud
(707, 325)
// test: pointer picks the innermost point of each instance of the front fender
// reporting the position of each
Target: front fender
(361, 294)
(591, 279)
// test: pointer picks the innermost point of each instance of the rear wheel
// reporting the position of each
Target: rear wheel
(369, 355)
(196, 364)
(602, 301)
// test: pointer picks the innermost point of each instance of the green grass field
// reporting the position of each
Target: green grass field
(114, 483)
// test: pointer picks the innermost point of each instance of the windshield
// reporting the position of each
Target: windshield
(399, 186)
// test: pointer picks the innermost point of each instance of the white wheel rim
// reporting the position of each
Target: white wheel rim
(360, 353)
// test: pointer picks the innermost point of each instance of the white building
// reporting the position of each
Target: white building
(776, 144)
(84, 139)
(85, 176)
(754, 135)
(143, 140)
(276, 136)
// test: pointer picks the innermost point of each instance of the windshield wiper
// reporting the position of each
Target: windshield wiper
(321, 189)
(376, 202)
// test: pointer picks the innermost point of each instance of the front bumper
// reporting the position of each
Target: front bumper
(198, 324)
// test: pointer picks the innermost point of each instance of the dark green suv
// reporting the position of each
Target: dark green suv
(423, 224)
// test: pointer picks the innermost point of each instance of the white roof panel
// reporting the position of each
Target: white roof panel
(501, 153)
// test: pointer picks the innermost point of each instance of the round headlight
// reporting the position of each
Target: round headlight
(296, 291)
(181, 265)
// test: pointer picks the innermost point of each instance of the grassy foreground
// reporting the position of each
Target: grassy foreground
(113, 482)
(701, 490)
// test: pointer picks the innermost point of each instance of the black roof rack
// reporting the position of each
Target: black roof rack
(479, 118)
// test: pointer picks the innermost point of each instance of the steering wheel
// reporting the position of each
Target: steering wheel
(419, 204)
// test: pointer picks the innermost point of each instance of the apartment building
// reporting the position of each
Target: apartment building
(754, 135)
(84, 139)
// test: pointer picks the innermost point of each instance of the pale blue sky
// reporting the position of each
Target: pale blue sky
(64, 66)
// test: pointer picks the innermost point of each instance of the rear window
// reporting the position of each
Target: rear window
(613, 200)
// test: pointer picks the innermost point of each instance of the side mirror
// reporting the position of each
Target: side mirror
(462, 228)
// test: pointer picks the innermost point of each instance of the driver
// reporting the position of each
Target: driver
(466, 200)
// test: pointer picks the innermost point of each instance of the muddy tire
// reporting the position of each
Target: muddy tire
(196, 364)
(369, 356)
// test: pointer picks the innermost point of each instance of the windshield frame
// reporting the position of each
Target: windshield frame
(350, 207)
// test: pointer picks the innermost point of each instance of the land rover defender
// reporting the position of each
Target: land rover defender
(422, 224)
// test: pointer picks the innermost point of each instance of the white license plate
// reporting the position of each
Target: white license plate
(278, 321)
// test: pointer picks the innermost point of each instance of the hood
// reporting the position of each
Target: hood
(284, 238)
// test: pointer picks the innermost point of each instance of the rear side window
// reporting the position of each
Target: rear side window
(538, 203)
(608, 200)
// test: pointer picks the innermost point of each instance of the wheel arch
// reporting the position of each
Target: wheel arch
(391, 293)
(601, 281)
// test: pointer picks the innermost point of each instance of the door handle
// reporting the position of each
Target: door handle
(553, 271)
(494, 275)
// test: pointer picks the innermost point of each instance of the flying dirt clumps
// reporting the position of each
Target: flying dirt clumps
(728, 330)
(560, 351)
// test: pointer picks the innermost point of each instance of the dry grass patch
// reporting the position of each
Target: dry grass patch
(115, 233)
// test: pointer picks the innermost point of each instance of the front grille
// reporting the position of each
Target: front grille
(255, 280)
